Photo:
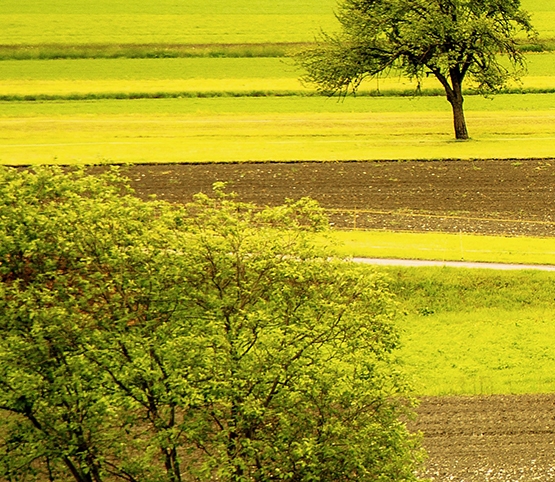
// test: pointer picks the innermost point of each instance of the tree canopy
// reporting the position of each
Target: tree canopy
(453, 40)
(148, 342)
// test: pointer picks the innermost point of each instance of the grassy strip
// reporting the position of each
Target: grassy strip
(445, 247)
(85, 79)
(74, 79)
(191, 22)
(390, 113)
(153, 95)
(405, 93)
(145, 51)
(163, 50)
(476, 331)
(542, 45)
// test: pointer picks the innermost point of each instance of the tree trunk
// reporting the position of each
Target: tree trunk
(459, 121)
(456, 100)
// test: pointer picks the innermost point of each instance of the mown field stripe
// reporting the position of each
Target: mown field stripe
(273, 129)
(473, 331)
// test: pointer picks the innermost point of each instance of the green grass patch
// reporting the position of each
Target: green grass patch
(476, 331)
(269, 128)
(470, 331)
(212, 27)
(168, 50)
(166, 7)
(78, 79)
(445, 247)
(193, 22)
(147, 69)
(108, 77)
(543, 16)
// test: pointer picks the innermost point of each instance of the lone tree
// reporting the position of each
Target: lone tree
(453, 40)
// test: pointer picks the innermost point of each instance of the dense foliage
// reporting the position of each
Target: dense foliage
(449, 39)
(148, 342)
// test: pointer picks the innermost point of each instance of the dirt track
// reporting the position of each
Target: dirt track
(497, 438)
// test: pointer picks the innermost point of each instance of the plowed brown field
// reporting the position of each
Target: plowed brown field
(489, 438)
(495, 196)
(494, 438)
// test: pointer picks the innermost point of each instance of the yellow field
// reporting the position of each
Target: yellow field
(237, 75)
(241, 128)
(446, 247)
(204, 132)
(234, 86)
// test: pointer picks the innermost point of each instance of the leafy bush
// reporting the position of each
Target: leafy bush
(147, 342)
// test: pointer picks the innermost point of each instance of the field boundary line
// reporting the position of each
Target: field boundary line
(201, 94)
(452, 264)
(355, 212)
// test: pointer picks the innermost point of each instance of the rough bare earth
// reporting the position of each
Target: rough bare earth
(489, 438)
(495, 196)
(495, 438)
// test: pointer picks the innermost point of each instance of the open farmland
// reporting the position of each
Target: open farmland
(223, 129)
(452, 317)
(64, 78)
(191, 22)
(201, 110)
(475, 337)
(87, 110)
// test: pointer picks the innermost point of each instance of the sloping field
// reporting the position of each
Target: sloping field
(477, 333)
(465, 332)
(469, 438)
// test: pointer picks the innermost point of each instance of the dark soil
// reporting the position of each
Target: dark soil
(489, 438)
(487, 197)
(493, 438)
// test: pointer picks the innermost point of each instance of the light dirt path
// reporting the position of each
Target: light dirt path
(452, 264)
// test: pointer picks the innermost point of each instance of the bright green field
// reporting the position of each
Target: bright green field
(165, 21)
(445, 247)
(231, 129)
(469, 331)
(464, 331)
(84, 76)
(170, 7)
(191, 21)
(260, 129)
(476, 331)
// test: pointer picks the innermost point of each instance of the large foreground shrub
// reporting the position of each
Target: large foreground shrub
(146, 342)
